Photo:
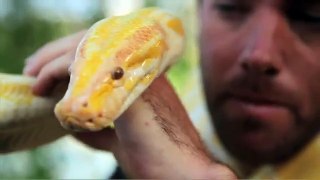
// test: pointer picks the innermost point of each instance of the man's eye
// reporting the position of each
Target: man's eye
(232, 11)
(304, 16)
(305, 13)
(312, 16)
(227, 8)
(312, 19)
(312, 11)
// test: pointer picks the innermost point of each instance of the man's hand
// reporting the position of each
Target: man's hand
(154, 138)
(51, 62)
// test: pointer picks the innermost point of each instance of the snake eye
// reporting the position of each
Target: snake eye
(117, 73)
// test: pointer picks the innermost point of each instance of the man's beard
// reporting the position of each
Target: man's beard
(281, 152)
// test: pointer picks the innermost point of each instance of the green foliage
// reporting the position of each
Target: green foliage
(23, 33)
(20, 41)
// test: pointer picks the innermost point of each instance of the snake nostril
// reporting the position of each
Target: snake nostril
(85, 105)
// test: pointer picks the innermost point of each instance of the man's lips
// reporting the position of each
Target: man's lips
(255, 115)
(255, 106)
(256, 99)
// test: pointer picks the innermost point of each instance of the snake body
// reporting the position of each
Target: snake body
(26, 120)
(115, 62)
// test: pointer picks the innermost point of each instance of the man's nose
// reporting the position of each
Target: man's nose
(259, 53)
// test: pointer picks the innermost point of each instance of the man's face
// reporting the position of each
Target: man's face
(261, 68)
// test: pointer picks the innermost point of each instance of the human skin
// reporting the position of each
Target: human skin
(261, 71)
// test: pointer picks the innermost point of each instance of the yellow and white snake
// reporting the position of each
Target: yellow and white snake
(116, 61)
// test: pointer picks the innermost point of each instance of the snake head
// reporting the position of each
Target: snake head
(115, 62)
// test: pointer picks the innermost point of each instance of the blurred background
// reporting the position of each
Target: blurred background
(26, 25)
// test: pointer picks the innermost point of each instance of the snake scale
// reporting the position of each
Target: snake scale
(117, 59)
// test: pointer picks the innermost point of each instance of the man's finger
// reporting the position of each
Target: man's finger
(52, 73)
(51, 51)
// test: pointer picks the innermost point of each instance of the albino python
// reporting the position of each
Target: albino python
(115, 62)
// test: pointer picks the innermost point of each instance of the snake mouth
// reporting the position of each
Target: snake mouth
(78, 125)
(80, 117)
(69, 123)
